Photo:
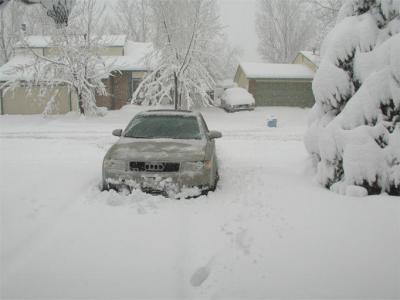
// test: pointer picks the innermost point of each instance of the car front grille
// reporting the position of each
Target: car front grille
(154, 167)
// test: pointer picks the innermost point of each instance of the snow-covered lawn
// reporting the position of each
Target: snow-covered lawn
(269, 231)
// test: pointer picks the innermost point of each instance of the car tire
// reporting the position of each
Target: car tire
(104, 187)
(214, 186)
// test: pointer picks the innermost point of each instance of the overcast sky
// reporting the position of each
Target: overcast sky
(239, 18)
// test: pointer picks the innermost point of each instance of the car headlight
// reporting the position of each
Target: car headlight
(197, 165)
(193, 166)
(114, 164)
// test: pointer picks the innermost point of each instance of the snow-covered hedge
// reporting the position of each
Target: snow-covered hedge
(354, 128)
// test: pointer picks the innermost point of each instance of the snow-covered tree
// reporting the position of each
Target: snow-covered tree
(75, 59)
(325, 13)
(10, 25)
(284, 28)
(326, 10)
(225, 59)
(354, 132)
(36, 21)
(133, 18)
(185, 31)
(57, 10)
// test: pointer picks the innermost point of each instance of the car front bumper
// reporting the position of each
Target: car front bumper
(157, 182)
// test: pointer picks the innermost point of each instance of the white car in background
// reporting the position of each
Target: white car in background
(237, 99)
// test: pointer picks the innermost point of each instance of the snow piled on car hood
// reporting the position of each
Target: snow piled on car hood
(160, 149)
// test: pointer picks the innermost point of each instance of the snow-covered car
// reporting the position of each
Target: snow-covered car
(236, 99)
(163, 151)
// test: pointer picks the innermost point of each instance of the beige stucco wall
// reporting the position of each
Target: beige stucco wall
(51, 51)
(241, 79)
(112, 51)
(139, 75)
(302, 60)
(25, 51)
(74, 102)
(106, 51)
(22, 101)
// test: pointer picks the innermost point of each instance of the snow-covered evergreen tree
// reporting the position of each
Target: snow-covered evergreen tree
(354, 130)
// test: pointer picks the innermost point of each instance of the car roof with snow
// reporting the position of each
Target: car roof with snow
(171, 112)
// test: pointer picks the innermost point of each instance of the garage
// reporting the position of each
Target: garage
(277, 84)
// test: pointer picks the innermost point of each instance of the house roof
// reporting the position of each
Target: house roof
(35, 41)
(137, 58)
(276, 71)
(42, 41)
(113, 40)
(312, 57)
(127, 63)
(22, 63)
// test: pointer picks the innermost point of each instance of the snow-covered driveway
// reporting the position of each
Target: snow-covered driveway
(269, 231)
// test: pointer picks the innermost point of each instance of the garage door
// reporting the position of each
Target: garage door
(284, 93)
(23, 101)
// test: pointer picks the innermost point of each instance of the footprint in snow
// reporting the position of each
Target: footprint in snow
(201, 274)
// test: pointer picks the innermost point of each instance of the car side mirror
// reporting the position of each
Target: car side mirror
(117, 132)
(214, 135)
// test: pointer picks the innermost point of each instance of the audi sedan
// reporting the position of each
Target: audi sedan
(163, 151)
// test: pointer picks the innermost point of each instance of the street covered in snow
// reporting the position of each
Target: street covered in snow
(269, 231)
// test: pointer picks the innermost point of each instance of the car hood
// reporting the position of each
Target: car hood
(158, 150)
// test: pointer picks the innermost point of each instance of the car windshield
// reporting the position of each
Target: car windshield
(164, 126)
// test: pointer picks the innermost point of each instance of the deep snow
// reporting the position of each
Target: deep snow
(269, 231)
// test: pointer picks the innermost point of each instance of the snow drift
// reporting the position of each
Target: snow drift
(354, 127)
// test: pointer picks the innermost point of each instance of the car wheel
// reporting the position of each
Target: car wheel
(214, 186)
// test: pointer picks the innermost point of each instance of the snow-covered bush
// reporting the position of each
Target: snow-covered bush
(354, 129)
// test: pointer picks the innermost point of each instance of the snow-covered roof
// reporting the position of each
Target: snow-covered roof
(276, 71)
(118, 40)
(35, 41)
(311, 56)
(41, 41)
(127, 63)
(137, 57)
(138, 49)
(8, 70)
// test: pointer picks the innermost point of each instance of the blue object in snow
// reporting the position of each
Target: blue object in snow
(272, 122)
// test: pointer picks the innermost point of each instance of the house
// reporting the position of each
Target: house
(111, 45)
(128, 60)
(128, 72)
(310, 59)
(277, 84)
